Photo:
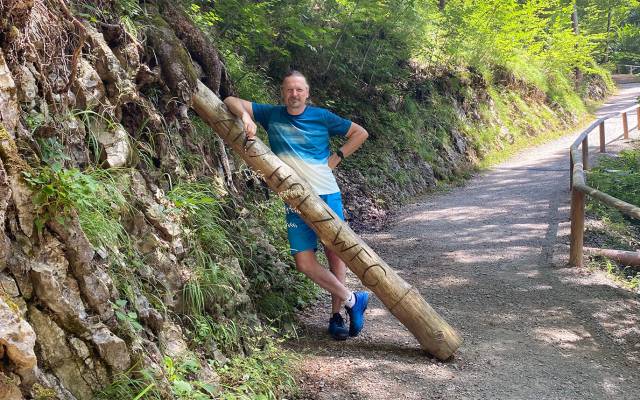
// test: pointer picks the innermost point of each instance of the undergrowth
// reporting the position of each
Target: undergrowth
(618, 176)
(216, 307)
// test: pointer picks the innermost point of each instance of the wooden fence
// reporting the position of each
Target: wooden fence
(579, 160)
(630, 68)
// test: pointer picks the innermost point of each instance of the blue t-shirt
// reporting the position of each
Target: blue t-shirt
(302, 141)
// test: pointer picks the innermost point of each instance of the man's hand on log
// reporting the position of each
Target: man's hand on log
(249, 126)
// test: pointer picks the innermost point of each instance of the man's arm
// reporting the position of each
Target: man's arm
(243, 110)
(355, 137)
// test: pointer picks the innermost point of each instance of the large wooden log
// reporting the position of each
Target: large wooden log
(404, 301)
(631, 258)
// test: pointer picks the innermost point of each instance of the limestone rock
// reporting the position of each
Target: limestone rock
(14, 165)
(118, 85)
(19, 266)
(9, 389)
(9, 110)
(115, 143)
(95, 284)
(27, 87)
(153, 210)
(54, 287)
(18, 339)
(10, 291)
(8, 286)
(22, 196)
(59, 358)
(156, 215)
(129, 58)
(172, 343)
(150, 316)
(112, 349)
(49, 387)
(5, 195)
(75, 140)
(77, 247)
(89, 89)
(165, 268)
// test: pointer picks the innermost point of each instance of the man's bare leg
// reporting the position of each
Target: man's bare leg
(339, 270)
(307, 263)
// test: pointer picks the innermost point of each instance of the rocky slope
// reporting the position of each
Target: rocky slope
(100, 96)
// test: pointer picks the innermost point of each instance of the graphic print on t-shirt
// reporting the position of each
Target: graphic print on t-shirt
(302, 141)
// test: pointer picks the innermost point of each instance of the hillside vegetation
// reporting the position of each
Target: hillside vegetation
(141, 259)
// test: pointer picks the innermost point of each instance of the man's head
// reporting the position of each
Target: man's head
(295, 91)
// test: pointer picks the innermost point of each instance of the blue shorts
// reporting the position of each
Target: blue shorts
(301, 237)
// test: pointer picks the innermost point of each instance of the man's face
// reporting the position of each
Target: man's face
(295, 92)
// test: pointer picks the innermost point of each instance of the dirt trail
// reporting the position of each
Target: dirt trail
(491, 258)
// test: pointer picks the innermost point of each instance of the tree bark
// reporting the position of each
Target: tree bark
(404, 301)
(202, 51)
(177, 70)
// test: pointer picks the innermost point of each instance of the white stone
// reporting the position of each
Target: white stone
(18, 339)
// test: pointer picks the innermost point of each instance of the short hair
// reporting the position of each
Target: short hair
(293, 72)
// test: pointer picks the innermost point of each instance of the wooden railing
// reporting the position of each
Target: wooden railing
(631, 68)
(579, 161)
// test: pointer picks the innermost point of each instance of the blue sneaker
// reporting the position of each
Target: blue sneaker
(356, 313)
(337, 330)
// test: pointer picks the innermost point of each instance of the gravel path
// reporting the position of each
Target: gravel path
(491, 258)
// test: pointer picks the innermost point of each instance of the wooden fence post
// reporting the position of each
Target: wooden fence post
(625, 125)
(577, 228)
(585, 152)
(570, 170)
(602, 138)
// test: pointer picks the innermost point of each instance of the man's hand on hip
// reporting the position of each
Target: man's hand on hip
(334, 160)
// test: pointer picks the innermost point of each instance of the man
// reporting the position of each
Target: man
(299, 135)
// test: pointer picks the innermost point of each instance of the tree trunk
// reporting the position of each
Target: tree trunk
(199, 47)
(576, 31)
(574, 18)
(404, 301)
(606, 43)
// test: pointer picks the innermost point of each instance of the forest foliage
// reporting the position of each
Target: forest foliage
(357, 44)
(408, 70)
